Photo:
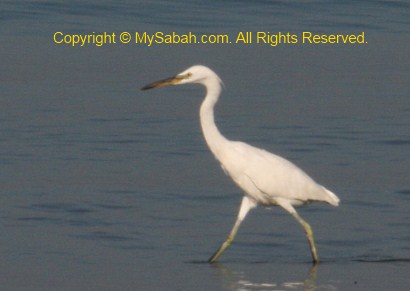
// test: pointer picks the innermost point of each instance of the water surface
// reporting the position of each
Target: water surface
(108, 187)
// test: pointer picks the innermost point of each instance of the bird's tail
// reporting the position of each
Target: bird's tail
(332, 199)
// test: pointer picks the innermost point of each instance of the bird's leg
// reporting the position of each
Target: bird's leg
(227, 242)
(309, 235)
(246, 205)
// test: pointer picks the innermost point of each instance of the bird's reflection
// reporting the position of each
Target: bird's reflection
(241, 280)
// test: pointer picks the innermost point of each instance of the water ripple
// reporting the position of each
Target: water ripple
(202, 16)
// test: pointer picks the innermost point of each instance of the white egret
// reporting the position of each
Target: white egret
(265, 178)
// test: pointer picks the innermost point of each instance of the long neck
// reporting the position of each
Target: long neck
(213, 137)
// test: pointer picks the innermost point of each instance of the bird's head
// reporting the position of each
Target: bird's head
(195, 74)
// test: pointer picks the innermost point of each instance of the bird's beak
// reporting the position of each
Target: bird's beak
(166, 82)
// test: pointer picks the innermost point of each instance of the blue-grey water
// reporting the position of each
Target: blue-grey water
(106, 187)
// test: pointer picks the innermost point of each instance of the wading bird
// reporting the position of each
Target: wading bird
(265, 178)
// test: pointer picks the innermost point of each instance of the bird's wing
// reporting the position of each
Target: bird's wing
(273, 175)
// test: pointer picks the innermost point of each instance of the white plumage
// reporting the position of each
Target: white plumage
(265, 178)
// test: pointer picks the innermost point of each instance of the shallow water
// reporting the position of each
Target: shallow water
(108, 187)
